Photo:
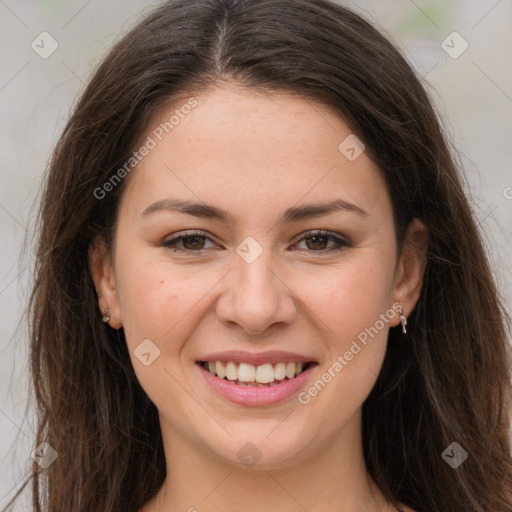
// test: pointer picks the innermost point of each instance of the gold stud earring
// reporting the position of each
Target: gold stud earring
(403, 320)
(106, 316)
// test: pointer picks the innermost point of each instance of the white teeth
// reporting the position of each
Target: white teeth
(290, 370)
(280, 372)
(231, 373)
(265, 373)
(248, 374)
(220, 371)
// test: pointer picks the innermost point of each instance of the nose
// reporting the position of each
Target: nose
(255, 297)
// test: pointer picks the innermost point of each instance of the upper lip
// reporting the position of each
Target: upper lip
(258, 358)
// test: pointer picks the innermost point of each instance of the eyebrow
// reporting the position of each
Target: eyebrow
(293, 214)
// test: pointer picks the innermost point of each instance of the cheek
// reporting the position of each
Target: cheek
(156, 297)
(161, 303)
(351, 306)
(351, 296)
(142, 293)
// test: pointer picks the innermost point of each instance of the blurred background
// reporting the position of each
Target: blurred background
(462, 49)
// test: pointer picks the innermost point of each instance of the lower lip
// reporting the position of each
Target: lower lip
(254, 395)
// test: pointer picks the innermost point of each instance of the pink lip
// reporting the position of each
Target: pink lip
(256, 396)
(271, 356)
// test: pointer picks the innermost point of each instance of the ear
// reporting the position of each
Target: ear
(411, 268)
(102, 273)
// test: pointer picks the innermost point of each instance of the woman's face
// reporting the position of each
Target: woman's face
(253, 279)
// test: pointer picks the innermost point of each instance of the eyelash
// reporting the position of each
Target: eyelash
(171, 243)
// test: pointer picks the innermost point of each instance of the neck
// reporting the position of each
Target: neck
(335, 479)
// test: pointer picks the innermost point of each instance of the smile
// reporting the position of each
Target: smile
(245, 374)
(255, 385)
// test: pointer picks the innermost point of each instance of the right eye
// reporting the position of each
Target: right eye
(192, 241)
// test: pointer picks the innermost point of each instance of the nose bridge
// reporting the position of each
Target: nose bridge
(256, 298)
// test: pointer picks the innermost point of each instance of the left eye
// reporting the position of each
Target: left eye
(194, 241)
(320, 238)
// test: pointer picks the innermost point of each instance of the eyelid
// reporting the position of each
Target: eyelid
(340, 241)
(322, 232)
(185, 234)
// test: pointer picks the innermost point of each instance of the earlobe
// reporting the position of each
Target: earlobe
(102, 273)
(411, 267)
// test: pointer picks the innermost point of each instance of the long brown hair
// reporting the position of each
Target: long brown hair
(448, 380)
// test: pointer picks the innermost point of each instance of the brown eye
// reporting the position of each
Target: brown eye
(191, 242)
(317, 241)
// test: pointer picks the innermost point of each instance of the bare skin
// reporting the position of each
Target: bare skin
(255, 156)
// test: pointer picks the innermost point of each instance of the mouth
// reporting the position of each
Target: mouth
(249, 375)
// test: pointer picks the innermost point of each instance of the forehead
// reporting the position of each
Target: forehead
(234, 146)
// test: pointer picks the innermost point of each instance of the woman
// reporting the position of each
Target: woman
(259, 283)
